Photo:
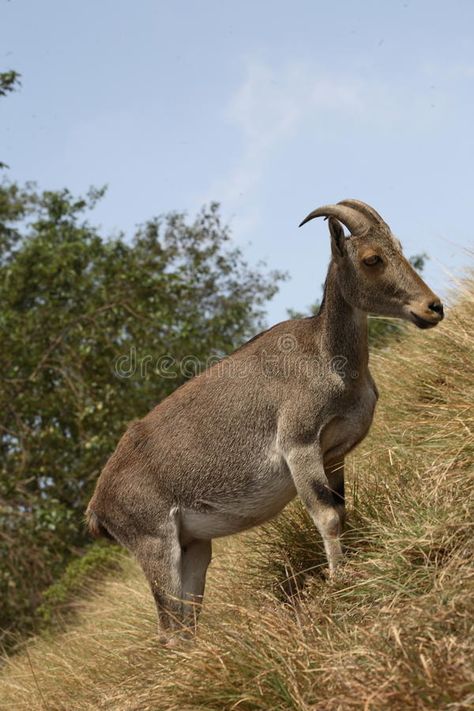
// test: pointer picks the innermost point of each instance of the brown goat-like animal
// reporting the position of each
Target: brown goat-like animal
(230, 448)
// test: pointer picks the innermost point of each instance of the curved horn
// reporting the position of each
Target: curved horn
(351, 218)
(365, 209)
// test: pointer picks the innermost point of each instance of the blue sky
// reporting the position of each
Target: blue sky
(271, 108)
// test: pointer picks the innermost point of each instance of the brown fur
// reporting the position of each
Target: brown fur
(233, 446)
(96, 529)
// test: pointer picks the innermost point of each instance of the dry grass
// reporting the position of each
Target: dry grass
(393, 632)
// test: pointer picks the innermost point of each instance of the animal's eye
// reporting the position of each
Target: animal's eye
(372, 260)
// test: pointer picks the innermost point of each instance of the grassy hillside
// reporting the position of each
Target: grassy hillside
(394, 631)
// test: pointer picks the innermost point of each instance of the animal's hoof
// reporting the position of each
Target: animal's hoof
(333, 573)
(343, 576)
(175, 640)
(169, 642)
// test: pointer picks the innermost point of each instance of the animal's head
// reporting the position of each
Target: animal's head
(373, 274)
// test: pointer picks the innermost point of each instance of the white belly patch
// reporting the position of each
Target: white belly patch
(214, 519)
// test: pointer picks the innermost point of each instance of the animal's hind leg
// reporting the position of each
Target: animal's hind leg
(196, 557)
(160, 558)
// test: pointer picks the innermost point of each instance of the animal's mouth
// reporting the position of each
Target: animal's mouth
(422, 322)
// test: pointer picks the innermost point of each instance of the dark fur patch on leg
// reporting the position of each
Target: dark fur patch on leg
(338, 492)
(323, 492)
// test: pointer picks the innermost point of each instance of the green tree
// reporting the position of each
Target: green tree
(9, 81)
(94, 333)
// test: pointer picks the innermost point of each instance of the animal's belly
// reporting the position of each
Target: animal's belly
(224, 517)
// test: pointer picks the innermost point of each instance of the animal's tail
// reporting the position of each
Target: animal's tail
(96, 528)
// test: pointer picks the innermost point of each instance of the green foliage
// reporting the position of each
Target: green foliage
(8, 82)
(84, 323)
(100, 560)
(381, 330)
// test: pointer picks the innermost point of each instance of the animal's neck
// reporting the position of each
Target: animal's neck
(344, 328)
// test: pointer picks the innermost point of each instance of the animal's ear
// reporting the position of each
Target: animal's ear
(338, 239)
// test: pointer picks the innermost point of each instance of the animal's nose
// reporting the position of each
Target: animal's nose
(437, 308)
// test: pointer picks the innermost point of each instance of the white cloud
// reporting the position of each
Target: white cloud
(273, 106)
(268, 108)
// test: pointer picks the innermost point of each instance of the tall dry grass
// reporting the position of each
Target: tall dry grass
(393, 631)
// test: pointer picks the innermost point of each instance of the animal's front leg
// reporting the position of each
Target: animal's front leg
(335, 475)
(307, 469)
